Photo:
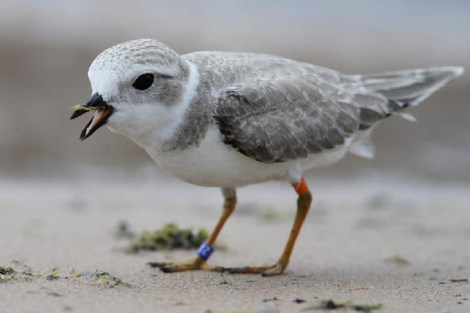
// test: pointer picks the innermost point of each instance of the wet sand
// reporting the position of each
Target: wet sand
(397, 243)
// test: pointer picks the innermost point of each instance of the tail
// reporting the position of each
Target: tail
(385, 94)
(411, 87)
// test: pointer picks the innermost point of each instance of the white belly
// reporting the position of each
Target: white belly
(215, 164)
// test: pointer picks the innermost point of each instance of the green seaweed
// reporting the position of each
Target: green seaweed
(169, 237)
(366, 307)
(6, 270)
(54, 274)
(85, 108)
(107, 278)
(332, 305)
(5, 278)
(11, 274)
(73, 271)
(6, 274)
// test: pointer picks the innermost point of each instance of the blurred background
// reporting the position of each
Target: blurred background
(47, 46)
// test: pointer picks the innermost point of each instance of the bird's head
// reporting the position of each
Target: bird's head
(135, 85)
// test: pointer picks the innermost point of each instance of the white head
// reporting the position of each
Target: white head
(138, 87)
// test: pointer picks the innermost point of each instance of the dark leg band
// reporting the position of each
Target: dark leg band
(205, 251)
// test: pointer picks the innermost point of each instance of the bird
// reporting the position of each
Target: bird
(231, 119)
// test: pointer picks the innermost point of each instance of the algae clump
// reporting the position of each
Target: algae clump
(6, 274)
(332, 305)
(169, 237)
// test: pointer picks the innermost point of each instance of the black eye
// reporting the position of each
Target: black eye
(144, 81)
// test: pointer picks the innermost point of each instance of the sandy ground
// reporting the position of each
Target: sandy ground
(343, 252)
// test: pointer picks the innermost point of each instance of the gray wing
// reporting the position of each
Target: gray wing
(284, 119)
(308, 109)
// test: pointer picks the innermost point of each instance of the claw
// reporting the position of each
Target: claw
(266, 270)
(166, 269)
(191, 265)
(278, 269)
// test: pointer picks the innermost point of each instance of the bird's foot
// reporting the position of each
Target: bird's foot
(190, 265)
(266, 270)
(199, 264)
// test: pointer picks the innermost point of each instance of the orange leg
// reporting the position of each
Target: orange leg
(199, 262)
(304, 201)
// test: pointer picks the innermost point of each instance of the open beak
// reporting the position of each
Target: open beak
(101, 112)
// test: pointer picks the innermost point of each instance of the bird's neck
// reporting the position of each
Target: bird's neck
(164, 128)
(193, 126)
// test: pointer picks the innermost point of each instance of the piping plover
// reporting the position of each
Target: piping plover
(226, 119)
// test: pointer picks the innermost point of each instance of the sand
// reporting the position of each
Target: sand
(397, 243)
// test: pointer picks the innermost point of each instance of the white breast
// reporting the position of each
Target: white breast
(215, 164)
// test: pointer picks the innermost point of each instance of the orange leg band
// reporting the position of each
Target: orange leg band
(301, 188)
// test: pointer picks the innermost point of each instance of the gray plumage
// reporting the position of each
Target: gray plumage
(273, 109)
(192, 113)
(269, 108)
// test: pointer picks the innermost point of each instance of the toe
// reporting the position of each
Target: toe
(219, 269)
(166, 269)
(278, 269)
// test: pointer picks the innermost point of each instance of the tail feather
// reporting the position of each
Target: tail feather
(385, 94)
(411, 87)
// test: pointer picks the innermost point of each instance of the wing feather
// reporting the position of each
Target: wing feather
(284, 119)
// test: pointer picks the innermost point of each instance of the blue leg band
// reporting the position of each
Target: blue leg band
(205, 251)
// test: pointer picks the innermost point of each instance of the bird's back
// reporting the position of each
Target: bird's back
(225, 69)
(275, 109)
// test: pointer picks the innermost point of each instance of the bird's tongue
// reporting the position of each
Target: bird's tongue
(100, 117)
